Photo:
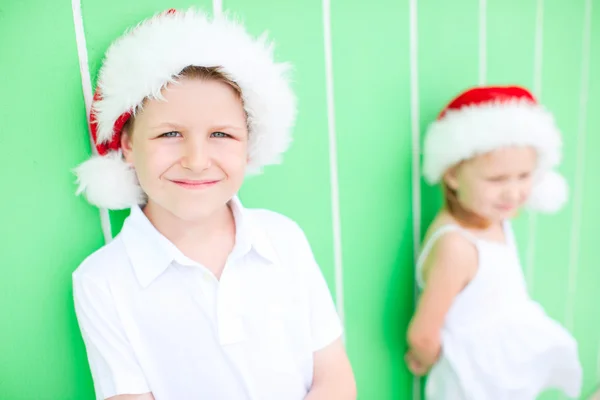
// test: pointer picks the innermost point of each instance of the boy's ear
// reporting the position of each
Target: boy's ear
(451, 178)
(127, 147)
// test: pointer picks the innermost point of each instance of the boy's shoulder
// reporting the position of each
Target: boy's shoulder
(283, 232)
(273, 221)
(103, 263)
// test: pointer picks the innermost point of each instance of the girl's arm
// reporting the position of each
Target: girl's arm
(449, 267)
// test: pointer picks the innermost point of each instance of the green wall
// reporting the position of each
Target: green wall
(391, 66)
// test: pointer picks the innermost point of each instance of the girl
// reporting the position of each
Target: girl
(198, 297)
(494, 150)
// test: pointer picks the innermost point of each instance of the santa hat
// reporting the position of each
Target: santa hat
(145, 59)
(483, 119)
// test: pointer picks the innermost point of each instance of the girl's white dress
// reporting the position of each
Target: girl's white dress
(497, 343)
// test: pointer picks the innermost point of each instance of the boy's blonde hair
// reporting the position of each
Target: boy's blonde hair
(193, 72)
(189, 72)
(209, 74)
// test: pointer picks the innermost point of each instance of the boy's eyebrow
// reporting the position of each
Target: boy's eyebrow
(167, 125)
(174, 125)
(229, 126)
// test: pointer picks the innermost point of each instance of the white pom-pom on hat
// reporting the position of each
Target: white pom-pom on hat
(110, 181)
(549, 193)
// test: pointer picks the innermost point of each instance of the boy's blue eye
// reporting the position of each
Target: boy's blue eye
(170, 134)
(219, 134)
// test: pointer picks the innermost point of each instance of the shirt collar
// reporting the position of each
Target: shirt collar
(151, 253)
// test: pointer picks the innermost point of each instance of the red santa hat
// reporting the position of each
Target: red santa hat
(483, 119)
(139, 65)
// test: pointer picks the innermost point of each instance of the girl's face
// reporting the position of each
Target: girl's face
(496, 184)
(189, 149)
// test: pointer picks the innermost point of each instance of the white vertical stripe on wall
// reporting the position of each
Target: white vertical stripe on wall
(538, 57)
(88, 96)
(598, 364)
(415, 157)
(333, 164)
(579, 168)
(538, 49)
(482, 41)
(217, 7)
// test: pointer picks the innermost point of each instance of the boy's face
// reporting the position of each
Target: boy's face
(189, 149)
(495, 185)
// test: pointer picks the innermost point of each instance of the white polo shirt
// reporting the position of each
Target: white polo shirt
(155, 321)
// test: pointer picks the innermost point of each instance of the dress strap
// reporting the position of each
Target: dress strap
(431, 241)
(509, 234)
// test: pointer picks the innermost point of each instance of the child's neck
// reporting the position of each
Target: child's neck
(208, 241)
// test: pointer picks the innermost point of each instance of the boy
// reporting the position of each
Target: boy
(198, 297)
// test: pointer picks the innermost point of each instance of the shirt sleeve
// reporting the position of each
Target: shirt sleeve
(113, 365)
(326, 326)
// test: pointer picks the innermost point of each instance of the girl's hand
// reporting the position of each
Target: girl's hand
(415, 367)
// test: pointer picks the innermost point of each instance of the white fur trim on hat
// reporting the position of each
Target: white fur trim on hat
(145, 59)
(478, 129)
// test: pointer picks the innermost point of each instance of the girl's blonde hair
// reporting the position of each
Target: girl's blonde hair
(465, 217)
